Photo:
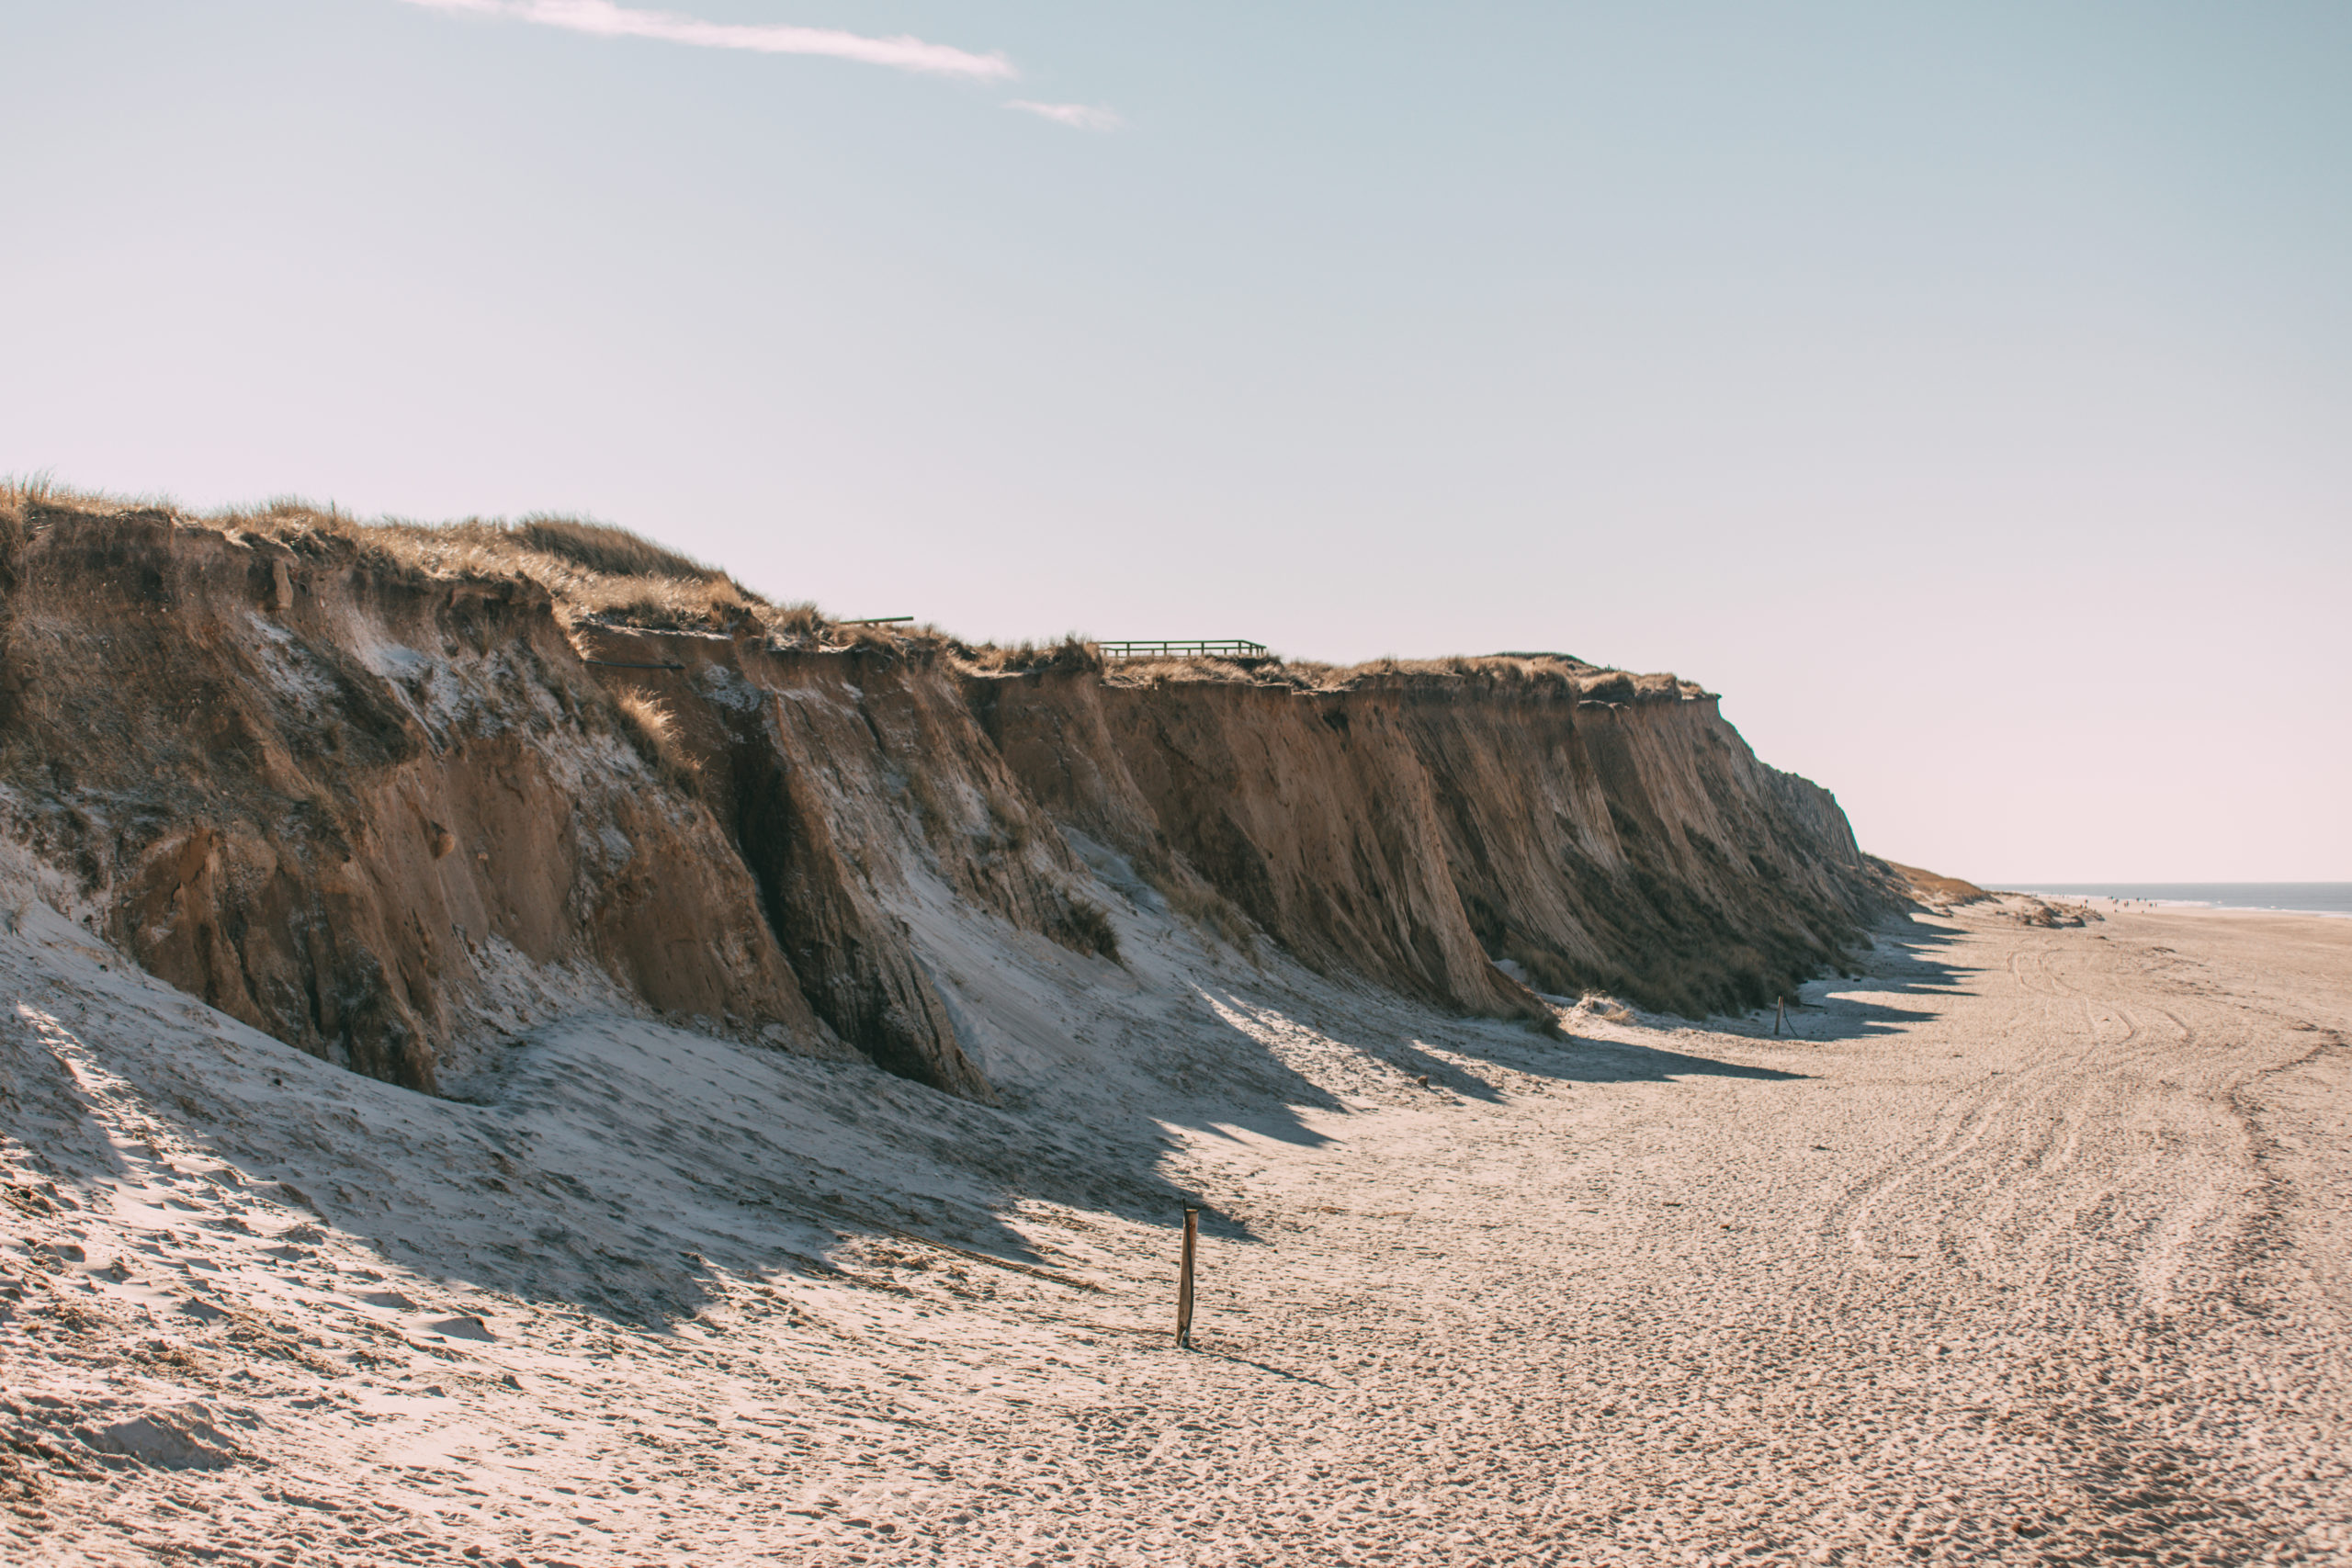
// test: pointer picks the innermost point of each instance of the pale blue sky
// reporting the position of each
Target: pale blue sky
(1965, 390)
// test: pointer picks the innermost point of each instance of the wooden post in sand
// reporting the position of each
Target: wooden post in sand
(1779, 1014)
(1184, 1282)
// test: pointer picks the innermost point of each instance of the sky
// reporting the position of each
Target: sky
(1963, 391)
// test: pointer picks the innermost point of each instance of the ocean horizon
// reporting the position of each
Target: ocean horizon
(2285, 897)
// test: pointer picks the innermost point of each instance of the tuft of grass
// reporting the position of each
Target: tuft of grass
(1010, 822)
(607, 550)
(1546, 970)
(798, 619)
(1206, 908)
(22, 494)
(1071, 652)
(652, 732)
(1085, 928)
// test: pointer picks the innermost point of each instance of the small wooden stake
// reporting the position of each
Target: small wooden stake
(1779, 1014)
(1184, 1282)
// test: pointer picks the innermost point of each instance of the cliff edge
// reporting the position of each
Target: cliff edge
(391, 794)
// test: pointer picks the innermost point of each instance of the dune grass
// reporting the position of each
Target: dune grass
(601, 572)
(592, 569)
(1933, 888)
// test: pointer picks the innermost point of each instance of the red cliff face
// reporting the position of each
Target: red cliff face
(384, 814)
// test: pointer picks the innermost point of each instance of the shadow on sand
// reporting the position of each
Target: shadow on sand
(619, 1171)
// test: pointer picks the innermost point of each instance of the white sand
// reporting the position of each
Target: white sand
(2033, 1248)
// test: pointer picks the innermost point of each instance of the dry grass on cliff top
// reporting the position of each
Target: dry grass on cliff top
(598, 571)
(1557, 671)
(1933, 888)
(591, 570)
(1589, 681)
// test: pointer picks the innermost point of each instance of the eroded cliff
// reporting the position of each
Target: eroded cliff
(389, 804)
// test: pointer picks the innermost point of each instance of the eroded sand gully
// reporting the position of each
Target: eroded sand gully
(2032, 1248)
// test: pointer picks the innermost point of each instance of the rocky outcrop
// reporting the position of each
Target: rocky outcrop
(366, 807)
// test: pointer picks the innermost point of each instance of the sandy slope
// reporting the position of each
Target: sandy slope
(2032, 1248)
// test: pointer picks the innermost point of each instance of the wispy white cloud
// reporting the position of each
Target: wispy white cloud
(607, 20)
(1085, 116)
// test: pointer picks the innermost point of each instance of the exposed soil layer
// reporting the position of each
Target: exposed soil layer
(330, 800)
(1614, 834)
(358, 805)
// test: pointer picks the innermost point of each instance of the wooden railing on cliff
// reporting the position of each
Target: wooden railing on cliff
(1231, 648)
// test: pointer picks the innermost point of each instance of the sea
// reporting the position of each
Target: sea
(2301, 898)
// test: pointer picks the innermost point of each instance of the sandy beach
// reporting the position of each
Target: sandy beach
(2026, 1245)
